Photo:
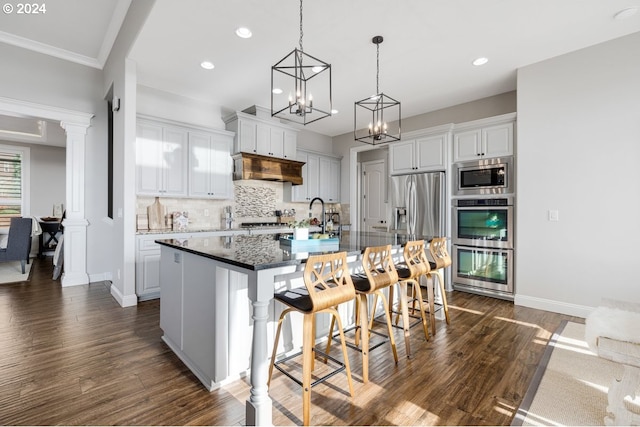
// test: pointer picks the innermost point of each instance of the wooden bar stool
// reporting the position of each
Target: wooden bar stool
(441, 260)
(327, 284)
(379, 273)
(415, 266)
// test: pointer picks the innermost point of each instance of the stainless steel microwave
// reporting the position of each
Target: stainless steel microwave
(484, 177)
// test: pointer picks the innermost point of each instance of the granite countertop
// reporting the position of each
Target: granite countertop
(258, 252)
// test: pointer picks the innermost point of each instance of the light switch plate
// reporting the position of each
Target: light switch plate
(554, 215)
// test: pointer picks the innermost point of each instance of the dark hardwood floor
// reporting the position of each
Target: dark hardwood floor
(73, 356)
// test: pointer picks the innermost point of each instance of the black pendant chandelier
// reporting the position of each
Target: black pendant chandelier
(308, 82)
(380, 111)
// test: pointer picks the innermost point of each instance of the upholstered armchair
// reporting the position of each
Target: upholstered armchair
(18, 242)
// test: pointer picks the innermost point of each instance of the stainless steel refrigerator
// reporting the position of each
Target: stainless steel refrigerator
(418, 203)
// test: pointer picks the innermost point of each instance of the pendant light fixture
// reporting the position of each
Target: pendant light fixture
(306, 80)
(377, 118)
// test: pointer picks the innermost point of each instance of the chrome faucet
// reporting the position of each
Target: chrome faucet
(324, 223)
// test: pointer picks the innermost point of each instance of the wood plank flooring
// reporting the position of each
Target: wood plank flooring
(73, 356)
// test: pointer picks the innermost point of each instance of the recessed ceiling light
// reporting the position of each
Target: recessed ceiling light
(334, 111)
(480, 61)
(626, 13)
(317, 69)
(207, 65)
(243, 32)
(277, 90)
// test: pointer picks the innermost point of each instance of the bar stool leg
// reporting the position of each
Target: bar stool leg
(336, 316)
(389, 325)
(445, 306)
(405, 316)
(307, 361)
(432, 308)
(417, 295)
(275, 344)
(364, 335)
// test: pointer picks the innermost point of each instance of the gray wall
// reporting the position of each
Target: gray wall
(578, 153)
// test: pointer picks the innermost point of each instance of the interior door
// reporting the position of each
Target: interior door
(373, 196)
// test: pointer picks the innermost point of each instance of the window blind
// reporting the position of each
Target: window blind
(10, 187)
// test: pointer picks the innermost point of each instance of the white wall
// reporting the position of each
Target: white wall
(120, 78)
(578, 153)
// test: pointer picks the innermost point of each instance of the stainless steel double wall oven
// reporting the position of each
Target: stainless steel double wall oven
(483, 227)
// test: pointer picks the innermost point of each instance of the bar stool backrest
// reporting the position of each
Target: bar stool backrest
(415, 258)
(328, 281)
(438, 250)
(378, 266)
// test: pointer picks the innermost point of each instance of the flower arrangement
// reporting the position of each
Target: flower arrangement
(303, 223)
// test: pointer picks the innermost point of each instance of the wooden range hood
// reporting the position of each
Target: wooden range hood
(255, 166)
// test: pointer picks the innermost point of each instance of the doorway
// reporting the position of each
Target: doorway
(374, 215)
(75, 125)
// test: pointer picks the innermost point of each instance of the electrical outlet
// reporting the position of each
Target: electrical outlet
(554, 215)
(118, 274)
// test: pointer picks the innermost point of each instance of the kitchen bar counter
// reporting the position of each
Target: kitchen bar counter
(206, 286)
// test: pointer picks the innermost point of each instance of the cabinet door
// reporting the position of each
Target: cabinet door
(220, 180)
(247, 136)
(402, 154)
(290, 145)
(277, 143)
(313, 176)
(174, 162)
(199, 164)
(498, 140)
(299, 192)
(467, 145)
(148, 159)
(431, 153)
(323, 179)
(334, 181)
(263, 139)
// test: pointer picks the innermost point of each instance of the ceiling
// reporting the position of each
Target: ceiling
(425, 59)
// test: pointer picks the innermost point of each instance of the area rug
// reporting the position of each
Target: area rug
(11, 271)
(570, 385)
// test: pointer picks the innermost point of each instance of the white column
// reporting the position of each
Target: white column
(75, 223)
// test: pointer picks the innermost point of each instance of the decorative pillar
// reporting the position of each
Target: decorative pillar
(75, 223)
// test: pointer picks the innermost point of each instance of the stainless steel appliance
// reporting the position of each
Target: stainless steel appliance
(484, 177)
(418, 202)
(483, 222)
(483, 246)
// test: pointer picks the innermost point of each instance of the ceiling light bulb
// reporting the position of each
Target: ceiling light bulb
(277, 90)
(243, 32)
(480, 61)
(625, 13)
(207, 65)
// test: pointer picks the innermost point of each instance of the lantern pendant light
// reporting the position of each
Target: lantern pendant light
(382, 112)
(308, 81)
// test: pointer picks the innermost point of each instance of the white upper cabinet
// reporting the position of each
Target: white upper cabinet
(320, 178)
(262, 136)
(483, 142)
(423, 154)
(210, 166)
(161, 160)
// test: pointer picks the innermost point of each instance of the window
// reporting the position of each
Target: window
(14, 183)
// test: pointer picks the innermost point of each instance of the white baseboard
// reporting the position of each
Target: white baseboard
(123, 300)
(553, 306)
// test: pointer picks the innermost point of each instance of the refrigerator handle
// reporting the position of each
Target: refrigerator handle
(411, 228)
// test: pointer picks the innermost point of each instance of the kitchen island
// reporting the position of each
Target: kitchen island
(215, 293)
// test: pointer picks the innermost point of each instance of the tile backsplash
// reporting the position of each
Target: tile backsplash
(253, 201)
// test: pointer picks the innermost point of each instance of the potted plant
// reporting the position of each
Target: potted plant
(300, 229)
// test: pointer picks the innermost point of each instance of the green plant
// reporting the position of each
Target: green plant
(303, 223)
